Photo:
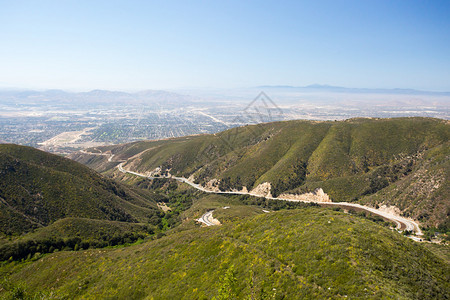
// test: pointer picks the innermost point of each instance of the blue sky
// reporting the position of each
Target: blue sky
(135, 45)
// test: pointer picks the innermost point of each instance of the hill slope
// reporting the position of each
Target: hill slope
(38, 188)
(372, 161)
(306, 253)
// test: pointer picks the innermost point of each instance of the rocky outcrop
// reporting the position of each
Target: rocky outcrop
(262, 190)
(154, 173)
(212, 185)
(317, 196)
(192, 178)
(393, 210)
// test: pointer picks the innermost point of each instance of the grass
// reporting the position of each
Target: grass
(74, 234)
(442, 251)
(310, 252)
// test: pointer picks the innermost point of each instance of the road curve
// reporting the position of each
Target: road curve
(208, 219)
(402, 223)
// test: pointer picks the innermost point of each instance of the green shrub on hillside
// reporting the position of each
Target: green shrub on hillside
(302, 253)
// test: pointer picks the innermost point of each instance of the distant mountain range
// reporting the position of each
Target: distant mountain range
(340, 89)
(171, 98)
(92, 97)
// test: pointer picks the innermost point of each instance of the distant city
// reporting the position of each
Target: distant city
(63, 122)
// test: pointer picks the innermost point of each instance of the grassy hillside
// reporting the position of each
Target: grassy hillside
(38, 188)
(372, 161)
(304, 253)
(50, 203)
(423, 194)
(74, 234)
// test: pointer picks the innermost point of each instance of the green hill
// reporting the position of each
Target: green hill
(372, 161)
(50, 203)
(303, 253)
(38, 188)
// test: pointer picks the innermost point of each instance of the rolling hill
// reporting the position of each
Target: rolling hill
(38, 188)
(302, 253)
(49, 202)
(401, 163)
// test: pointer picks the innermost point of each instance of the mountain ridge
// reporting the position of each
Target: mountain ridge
(350, 160)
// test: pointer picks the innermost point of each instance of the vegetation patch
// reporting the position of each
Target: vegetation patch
(309, 252)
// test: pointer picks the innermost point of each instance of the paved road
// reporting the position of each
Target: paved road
(208, 219)
(402, 223)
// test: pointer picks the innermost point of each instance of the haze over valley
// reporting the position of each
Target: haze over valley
(63, 122)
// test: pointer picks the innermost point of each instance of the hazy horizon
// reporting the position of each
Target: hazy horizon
(315, 86)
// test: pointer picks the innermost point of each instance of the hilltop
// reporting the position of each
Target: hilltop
(399, 163)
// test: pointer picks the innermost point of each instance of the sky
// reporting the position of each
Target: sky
(137, 45)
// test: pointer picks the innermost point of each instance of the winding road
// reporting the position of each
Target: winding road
(402, 223)
(208, 219)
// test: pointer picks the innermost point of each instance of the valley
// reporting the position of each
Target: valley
(269, 210)
(402, 223)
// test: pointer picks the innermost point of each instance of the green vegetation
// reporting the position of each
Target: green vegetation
(424, 193)
(66, 232)
(442, 232)
(300, 253)
(74, 234)
(231, 208)
(38, 189)
(400, 162)
(49, 203)
(440, 250)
